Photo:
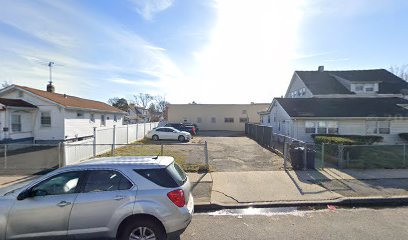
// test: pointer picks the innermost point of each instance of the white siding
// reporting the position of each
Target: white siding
(297, 84)
(355, 127)
(83, 126)
(56, 131)
(280, 120)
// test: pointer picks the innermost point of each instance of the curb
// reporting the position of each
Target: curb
(344, 202)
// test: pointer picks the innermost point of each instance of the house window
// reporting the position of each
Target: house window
(269, 118)
(80, 114)
(243, 120)
(378, 127)
(310, 127)
(92, 117)
(103, 121)
(213, 120)
(199, 120)
(45, 119)
(383, 127)
(20, 94)
(332, 127)
(244, 111)
(16, 123)
(359, 88)
(321, 127)
(115, 118)
(229, 120)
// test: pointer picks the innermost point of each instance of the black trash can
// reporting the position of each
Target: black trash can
(296, 157)
(310, 159)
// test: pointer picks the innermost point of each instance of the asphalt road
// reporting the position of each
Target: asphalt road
(341, 224)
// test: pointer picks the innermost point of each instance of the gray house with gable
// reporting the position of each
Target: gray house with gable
(357, 102)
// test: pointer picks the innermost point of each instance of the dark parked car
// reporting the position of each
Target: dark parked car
(182, 127)
(192, 125)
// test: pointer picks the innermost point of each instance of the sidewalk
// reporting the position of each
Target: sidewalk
(298, 187)
(284, 188)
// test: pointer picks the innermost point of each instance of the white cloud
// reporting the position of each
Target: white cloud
(148, 8)
(249, 55)
(89, 51)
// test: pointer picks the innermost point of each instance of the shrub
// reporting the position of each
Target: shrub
(346, 139)
(403, 136)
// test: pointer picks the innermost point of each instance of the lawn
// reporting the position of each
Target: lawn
(190, 157)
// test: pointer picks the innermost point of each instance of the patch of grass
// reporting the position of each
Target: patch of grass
(141, 149)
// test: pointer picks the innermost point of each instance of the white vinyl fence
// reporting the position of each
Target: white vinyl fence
(104, 140)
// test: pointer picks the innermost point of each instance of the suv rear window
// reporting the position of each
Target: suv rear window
(170, 177)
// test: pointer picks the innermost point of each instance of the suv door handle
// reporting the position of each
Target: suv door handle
(118, 198)
(63, 204)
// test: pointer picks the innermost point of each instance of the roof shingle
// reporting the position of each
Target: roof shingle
(344, 107)
(325, 82)
(71, 101)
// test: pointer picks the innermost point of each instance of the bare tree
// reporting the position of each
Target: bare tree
(401, 71)
(143, 99)
(160, 103)
(5, 84)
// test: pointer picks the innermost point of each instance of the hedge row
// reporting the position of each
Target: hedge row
(403, 136)
(346, 139)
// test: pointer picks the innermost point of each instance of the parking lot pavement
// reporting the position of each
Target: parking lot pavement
(234, 152)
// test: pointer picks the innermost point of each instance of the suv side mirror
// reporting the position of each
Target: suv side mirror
(23, 195)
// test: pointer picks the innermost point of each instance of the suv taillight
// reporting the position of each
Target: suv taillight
(177, 197)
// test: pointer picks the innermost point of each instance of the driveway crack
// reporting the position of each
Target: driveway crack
(228, 196)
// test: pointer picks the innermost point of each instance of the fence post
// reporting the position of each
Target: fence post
(305, 157)
(285, 148)
(263, 136)
(206, 154)
(161, 150)
(322, 155)
(5, 156)
(59, 155)
(94, 142)
(127, 133)
(150, 126)
(137, 131)
(340, 155)
(113, 140)
(144, 129)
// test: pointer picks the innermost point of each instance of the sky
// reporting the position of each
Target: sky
(207, 51)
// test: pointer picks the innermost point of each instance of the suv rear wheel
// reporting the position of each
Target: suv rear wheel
(155, 138)
(142, 229)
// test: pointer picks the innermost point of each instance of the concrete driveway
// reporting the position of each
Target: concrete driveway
(234, 152)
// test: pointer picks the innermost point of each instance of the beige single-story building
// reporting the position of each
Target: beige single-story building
(229, 117)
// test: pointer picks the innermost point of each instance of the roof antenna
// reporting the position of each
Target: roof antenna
(157, 157)
(50, 66)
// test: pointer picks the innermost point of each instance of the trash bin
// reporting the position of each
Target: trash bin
(296, 157)
(310, 159)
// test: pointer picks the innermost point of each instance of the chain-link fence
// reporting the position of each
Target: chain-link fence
(364, 156)
(301, 155)
(192, 157)
(24, 159)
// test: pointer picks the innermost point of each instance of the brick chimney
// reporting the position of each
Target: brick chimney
(50, 88)
(321, 69)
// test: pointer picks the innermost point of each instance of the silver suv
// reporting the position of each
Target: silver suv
(121, 197)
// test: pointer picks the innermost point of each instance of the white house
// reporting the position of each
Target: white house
(137, 114)
(363, 102)
(29, 114)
